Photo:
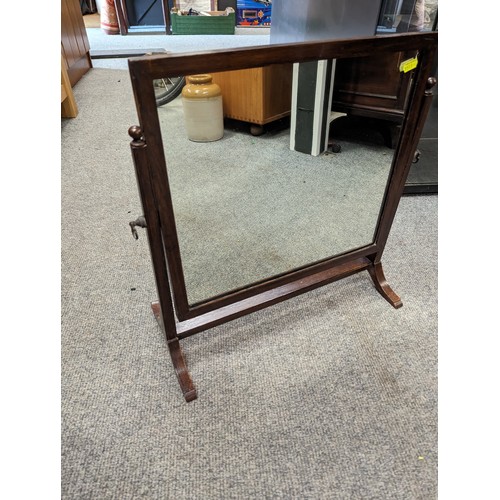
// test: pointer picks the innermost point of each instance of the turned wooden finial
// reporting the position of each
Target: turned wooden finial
(135, 132)
(431, 81)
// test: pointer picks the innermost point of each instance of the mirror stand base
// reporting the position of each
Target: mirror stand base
(189, 391)
(380, 282)
(181, 370)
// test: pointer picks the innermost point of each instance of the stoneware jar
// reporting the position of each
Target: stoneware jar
(109, 19)
(202, 104)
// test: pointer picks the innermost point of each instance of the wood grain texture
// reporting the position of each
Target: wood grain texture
(159, 66)
(380, 282)
(69, 109)
(269, 297)
(178, 360)
(256, 95)
(74, 41)
(372, 86)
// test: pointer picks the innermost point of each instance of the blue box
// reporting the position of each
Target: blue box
(254, 13)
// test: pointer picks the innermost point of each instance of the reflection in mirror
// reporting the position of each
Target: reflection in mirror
(250, 206)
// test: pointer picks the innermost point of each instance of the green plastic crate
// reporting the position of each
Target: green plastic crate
(203, 25)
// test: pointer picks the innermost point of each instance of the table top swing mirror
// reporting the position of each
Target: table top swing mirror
(241, 223)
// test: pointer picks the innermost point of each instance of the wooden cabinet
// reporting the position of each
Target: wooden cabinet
(372, 86)
(256, 95)
(74, 41)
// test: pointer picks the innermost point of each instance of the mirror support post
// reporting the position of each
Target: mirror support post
(398, 183)
(163, 309)
(375, 270)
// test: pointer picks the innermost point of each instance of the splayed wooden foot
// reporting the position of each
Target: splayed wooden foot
(377, 275)
(181, 370)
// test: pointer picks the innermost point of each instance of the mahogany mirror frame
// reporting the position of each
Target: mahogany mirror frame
(179, 319)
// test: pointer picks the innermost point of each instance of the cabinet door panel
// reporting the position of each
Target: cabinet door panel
(74, 41)
(373, 85)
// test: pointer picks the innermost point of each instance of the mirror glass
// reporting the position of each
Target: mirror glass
(274, 193)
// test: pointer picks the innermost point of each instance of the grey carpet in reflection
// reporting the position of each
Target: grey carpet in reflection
(330, 395)
(248, 207)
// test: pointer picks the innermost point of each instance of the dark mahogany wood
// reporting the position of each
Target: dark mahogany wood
(269, 297)
(121, 14)
(179, 319)
(276, 281)
(163, 310)
(180, 366)
(412, 129)
(377, 275)
(372, 86)
(157, 66)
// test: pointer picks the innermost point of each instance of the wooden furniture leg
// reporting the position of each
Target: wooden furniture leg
(375, 270)
(380, 282)
(163, 309)
(180, 366)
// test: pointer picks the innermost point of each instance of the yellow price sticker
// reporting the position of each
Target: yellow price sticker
(408, 65)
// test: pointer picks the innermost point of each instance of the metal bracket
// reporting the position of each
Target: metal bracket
(416, 156)
(141, 222)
